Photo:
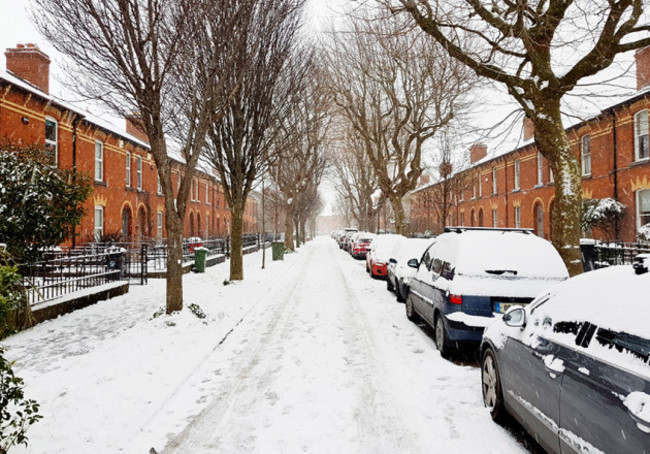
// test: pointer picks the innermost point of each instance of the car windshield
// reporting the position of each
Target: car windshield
(508, 254)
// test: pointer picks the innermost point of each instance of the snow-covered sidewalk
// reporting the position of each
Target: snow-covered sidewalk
(309, 355)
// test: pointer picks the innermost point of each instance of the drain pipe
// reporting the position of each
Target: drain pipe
(75, 123)
(615, 170)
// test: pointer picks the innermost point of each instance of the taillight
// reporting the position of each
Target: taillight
(456, 299)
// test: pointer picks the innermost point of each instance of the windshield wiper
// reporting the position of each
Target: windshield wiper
(500, 272)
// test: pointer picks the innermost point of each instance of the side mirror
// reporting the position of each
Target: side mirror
(392, 260)
(515, 317)
(413, 263)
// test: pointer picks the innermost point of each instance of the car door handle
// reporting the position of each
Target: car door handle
(554, 366)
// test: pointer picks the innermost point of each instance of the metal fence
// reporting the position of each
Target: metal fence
(67, 272)
(603, 254)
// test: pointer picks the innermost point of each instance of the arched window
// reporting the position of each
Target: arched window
(643, 207)
(539, 220)
(480, 217)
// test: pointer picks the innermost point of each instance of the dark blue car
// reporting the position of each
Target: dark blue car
(573, 367)
(469, 276)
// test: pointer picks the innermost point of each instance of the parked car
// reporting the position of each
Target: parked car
(469, 274)
(361, 244)
(574, 366)
(379, 253)
(343, 235)
(398, 273)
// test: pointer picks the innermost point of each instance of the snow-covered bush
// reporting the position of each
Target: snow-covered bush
(644, 233)
(16, 412)
(15, 311)
(40, 204)
(602, 214)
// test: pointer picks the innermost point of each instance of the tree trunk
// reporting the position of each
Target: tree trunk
(401, 226)
(296, 228)
(236, 233)
(288, 229)
(174, 262)
(303, 234)
(553, 143)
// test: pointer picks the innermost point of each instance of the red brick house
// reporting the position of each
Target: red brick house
(516, 189)
(126, 201)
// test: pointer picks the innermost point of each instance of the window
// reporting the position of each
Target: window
(551, 175)
(462, 218)
(99, 222)
(495, 218)
(480, 186)
(207, 226)
(517, 174)
(52, 137)
(159, 225)
(494, 180)
(641, 135)
(139, 170)
(128, 169)
(159, 185)
(539, 219)
(99, 160)
(540, 169)
(643, 207)
(474, 189)
(518, 217)
(207, 193)
(585, 152)
(178, 182)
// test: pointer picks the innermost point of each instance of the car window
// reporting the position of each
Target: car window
(624, 342)
(426, 259)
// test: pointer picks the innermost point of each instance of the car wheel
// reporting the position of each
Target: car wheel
(442, 343)
(492, 393)
(389, 285)
(367, 268)
(398, 292)
(410, 311)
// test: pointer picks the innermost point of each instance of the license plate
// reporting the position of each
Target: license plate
(502, 308)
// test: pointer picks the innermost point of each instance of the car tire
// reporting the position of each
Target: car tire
(410, 311)
(389, 285)
(398, 293)
(491, 385)
(440, 337)
(367, 268)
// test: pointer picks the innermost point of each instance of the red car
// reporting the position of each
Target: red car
(362, 244)
(379, 254)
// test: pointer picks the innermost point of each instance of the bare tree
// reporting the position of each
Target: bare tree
(242, 139)
(540, 50)
(356, 181)
(302, 160)
(164, 60)
(396, 91)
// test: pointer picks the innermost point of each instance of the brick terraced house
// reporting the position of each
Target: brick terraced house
(126, 201)
(516, 189)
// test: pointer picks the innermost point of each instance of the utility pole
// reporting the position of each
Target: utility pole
(263, 240)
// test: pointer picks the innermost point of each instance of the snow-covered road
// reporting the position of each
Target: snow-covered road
(310, 355)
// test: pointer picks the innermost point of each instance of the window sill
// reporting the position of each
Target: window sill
(516, 190)
(640, 162)
(101, 183)
(129, 188)
(586, 177)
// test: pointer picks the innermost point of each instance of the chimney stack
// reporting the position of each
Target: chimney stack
(135, 128)
(529, 129)
(29, 63)
(477, 152)
(642, 59)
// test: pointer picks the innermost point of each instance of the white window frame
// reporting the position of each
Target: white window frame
(207, 193)
(517, 174)
(495, 218)
(178, 182)
(540, 168)
(128, 169)
(98, 231)
(207, 226)
(160, 191)
(518, 217)
(99, 160)
(638, 207)
(474, 188)
(641, 135)
(494, 180)
(159, 224)
(139, 171)
(54, 144)
(480, 186)
(585, 154)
